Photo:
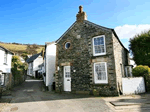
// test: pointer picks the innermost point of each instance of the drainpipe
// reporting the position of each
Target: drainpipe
(45, 63)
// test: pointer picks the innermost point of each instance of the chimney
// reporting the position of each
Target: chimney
(81, 16)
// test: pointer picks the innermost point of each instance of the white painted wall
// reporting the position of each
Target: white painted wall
(132, 62)
(44, 70)
(38, 61)
(34, 66)
(6, 68)
(50, 63)
(133, 85)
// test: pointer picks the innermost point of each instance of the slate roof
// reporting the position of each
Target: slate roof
(86, 21)
(7, 50)
(32, 58)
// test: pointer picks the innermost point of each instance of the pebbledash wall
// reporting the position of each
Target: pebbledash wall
(80, 57)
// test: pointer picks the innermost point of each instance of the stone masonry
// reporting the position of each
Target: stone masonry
(80, 57)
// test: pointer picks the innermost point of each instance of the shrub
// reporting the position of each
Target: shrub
(18, 69)
(141, 71)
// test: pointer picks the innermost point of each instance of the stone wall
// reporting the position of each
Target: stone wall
(121, 60)
(80, 57)
(8, 82)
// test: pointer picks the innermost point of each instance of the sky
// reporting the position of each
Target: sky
(40, 21)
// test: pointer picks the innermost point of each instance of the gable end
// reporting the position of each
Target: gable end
(65, 32)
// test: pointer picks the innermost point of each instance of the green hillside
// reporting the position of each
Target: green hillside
(19, 48)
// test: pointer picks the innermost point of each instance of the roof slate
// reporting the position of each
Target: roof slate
(32, 58)
(86, 21)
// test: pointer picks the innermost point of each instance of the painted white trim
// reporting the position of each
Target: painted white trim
(94, 47)
(101, 81)
(65, 45)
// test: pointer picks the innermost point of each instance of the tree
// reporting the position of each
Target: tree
(18, 69)
(25, 56)
(31, 49)
(140, 48)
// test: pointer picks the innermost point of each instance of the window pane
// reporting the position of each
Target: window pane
(103, 75)
(102, 40)
(67, 45)
(99, 49)
(67, 74)
(98, 41)
(100, 71)
(95, 41)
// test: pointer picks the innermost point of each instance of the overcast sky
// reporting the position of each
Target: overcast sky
(40, 21)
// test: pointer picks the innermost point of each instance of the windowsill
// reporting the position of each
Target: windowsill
(99, 54)
(5, 63)
(100, 83)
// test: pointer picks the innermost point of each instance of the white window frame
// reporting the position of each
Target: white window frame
(104, 53)
(96, 81)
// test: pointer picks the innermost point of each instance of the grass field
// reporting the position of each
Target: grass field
(18, 48)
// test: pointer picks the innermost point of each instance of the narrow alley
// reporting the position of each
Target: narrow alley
(31, 97)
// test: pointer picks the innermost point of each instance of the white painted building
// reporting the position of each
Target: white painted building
(49, 63)
(132, 62)
(22, 60)
(5, 64)
(41, 69)
(33, 65)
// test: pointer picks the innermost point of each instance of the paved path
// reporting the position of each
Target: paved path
(29, 97)
(132, 103)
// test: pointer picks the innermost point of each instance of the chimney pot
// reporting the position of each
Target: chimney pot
(80, 9)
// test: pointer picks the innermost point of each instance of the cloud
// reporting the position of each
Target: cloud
(129, 31)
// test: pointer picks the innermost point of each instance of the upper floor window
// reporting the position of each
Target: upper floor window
(5, 57)
(99, 47)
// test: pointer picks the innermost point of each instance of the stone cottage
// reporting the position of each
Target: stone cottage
(90, 59)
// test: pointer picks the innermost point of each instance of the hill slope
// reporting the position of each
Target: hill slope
(19, 48)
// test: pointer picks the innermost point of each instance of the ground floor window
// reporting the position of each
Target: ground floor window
(2, 79)
(100, 72)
